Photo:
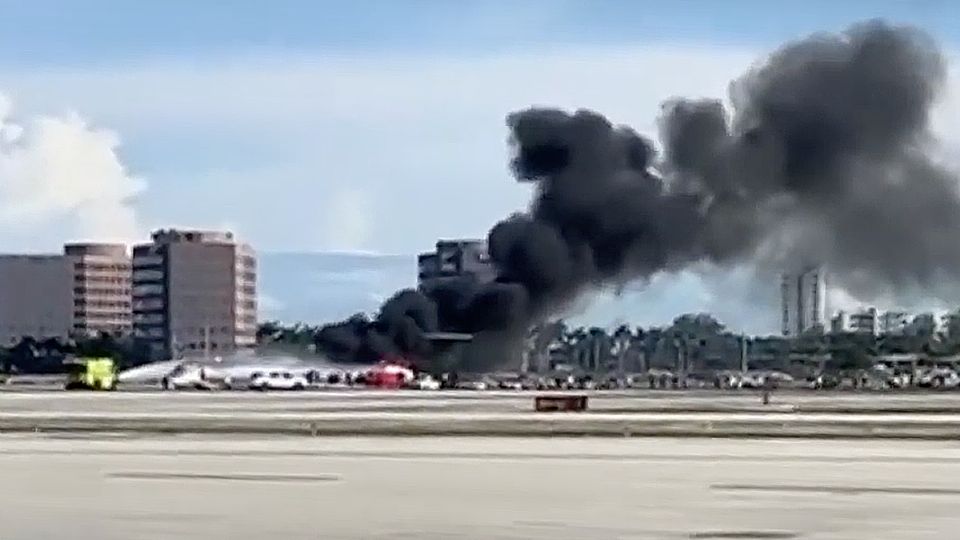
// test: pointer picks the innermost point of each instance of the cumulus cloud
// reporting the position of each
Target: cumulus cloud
(347, 220)
(61, 169)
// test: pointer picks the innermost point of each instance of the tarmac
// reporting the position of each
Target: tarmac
(120, 486)
(487, 414)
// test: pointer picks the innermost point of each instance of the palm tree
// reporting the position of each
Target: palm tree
(574, 342)
(622, 343)
(599, 348)
(538, 341)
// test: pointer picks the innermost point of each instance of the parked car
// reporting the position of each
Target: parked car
(510, 384)
(823, 381)
(278, 380)
(426, 382)
(939, 378)
(472, 385)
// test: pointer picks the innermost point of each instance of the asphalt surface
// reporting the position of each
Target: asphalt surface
(116, 487)
(372, 413)
(462, 401)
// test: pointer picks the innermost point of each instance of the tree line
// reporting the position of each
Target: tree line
(47, 356)
(692, 341)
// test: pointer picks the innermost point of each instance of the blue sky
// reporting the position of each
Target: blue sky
(365, 126)
(104, 31)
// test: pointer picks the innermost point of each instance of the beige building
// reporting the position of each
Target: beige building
(102, 280)
(36, 293)
(803, 301)
(194, 293)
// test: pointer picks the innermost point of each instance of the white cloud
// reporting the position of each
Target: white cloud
(263, 141)
(268, 305)
(347, 220)
(61, 169)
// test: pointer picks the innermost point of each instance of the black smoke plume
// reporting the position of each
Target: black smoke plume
(823, 155)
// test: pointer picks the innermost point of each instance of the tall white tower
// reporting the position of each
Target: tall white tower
(803, 300)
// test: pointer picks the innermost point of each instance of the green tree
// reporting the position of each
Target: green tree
(269, 331)
(23, 355)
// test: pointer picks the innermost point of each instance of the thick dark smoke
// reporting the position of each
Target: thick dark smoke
(399, 329)
(823, 157)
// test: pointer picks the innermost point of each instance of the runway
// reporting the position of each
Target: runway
(459, 401)
(368, 413)
(116, 487)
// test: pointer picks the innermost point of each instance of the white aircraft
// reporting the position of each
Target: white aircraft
(219, 373)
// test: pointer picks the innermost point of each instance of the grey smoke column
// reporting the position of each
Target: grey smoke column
(822, 157)
(826, 159)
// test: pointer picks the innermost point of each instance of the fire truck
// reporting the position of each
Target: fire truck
(391, 372)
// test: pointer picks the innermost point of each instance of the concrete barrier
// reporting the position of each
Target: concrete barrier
(564, 403)
(941, 427)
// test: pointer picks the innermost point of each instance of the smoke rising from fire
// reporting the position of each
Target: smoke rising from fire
(823, 156)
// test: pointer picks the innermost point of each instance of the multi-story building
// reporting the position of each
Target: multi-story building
(194, 293)
(894, 322)
(950, 325)
(102, 280)
(864, 321)
(455, 259)
(925, 325)
(36, 293)
(803, 299)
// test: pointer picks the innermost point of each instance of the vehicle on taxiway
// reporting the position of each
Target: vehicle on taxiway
(278, 380)
(425, 382)
(192, 377)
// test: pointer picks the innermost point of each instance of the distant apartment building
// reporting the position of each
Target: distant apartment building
(950, 325)
(925, 325)
(194, 293)
(840, 322)
(864, 321)
(36, 293)
(102, 281)
(455, 259)
(803, 300)
(894, 322)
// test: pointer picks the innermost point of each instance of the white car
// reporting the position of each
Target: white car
(429, 383)
(426, 382)
(512, 384)
(472, 385)
(278, 380)
(939, 378)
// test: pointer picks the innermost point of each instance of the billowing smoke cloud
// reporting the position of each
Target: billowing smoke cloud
(59, 169)
(826, 159)
(399, 329)
(822, 158)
